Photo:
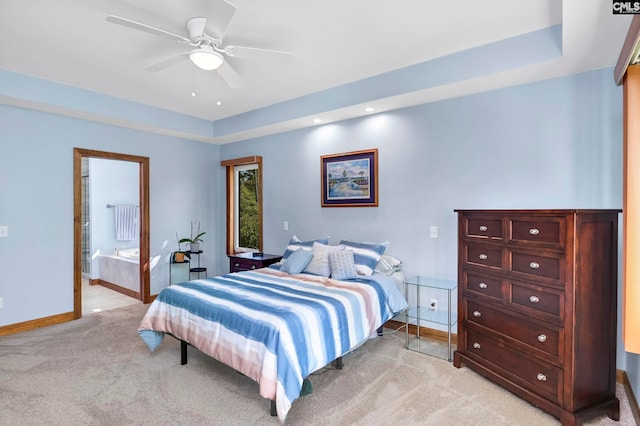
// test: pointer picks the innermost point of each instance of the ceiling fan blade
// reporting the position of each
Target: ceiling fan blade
(229, 75)
(168, 62)
(251, 52)
(146, 28)
(220, 14)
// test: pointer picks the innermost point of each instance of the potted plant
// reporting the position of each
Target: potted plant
(179, 256)
(195, 239)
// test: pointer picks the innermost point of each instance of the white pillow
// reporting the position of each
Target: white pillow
(319, 264)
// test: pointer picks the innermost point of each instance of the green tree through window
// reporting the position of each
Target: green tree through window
(248, 209)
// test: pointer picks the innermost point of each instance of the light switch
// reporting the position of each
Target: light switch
(4, 231)
(433, 231)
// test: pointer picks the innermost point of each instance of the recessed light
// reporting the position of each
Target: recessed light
(368, 109)
(317, 120)
(219, 103)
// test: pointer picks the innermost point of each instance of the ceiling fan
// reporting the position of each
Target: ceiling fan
(207, 50)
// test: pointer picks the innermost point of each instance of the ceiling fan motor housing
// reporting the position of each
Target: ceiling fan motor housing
(195, 27)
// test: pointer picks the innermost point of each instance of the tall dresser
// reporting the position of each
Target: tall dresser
(537, 306)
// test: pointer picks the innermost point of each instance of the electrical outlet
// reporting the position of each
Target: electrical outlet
(4, 231)
(433, 304)
(433, 231)
(285, 226)
(1, 303)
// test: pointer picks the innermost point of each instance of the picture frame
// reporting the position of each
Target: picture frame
(350, 179)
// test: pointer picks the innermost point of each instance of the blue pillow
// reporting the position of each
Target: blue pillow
(342, 265)
(297, 261)
(365, 255)
(295, 243)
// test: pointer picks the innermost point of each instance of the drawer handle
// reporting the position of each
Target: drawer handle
(236, 264)
(483, 228)
(476, 345)
(482, 285)
(483, 256)
(542, 338)
(477, 314)
(253, 266)
(534, 231)
(541, 377)
(534, 265)
(534, 299)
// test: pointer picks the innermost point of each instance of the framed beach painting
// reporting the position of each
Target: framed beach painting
(350, 179)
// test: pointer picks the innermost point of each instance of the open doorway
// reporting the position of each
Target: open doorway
(79, 224)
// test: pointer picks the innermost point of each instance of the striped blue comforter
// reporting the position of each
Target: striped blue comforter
(271, 326)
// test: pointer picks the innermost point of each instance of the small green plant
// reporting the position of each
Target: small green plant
(196, 235)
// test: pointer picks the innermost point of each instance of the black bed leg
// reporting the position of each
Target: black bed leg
(379, 331)
(274, 412)
(337, 363)
(183, 352)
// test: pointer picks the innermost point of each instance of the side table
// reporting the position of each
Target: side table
(426, 313)
(249, 261)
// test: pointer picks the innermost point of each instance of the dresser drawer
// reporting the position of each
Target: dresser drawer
(544, 338)
(536, 375)
(484, 255)
(538, 231)
(537, 299)
(243, 264)
(482, 285)
(548, 265)
(483, 227)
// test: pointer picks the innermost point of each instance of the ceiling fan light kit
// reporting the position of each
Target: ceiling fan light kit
(206, 58)
(208, 52)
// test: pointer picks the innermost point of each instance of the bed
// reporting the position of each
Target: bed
(272, 326)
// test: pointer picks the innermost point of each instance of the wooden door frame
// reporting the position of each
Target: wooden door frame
(145, 273)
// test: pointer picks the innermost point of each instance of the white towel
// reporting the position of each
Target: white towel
(126, 216)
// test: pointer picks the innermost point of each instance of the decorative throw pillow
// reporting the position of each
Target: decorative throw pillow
(297, 261)
(319, 264)
(365, 255)
(387, 265)
(295, 243)
(342, 265)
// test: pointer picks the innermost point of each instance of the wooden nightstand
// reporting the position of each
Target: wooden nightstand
(248, 261)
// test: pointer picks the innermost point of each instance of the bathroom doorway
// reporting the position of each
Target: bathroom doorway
(81, 257)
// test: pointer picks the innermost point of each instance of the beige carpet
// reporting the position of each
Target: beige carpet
(97, 371)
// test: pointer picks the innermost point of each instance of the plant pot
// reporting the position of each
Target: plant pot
(195, 247)
(178, 257)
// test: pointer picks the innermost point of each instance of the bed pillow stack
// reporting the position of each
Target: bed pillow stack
(295, 243)
(319, 264)
(365, 255)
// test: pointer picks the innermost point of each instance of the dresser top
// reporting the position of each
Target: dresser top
(538, 211)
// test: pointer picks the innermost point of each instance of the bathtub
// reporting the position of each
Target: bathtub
(130, 253)
(121, 270)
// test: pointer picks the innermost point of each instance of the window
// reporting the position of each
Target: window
(244, 204)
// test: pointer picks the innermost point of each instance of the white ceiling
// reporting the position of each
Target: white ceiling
(334, 42)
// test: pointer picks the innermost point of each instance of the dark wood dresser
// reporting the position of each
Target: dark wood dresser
(248, 261)
(537, 306)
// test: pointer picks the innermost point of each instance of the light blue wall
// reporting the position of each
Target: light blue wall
(36, 193)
